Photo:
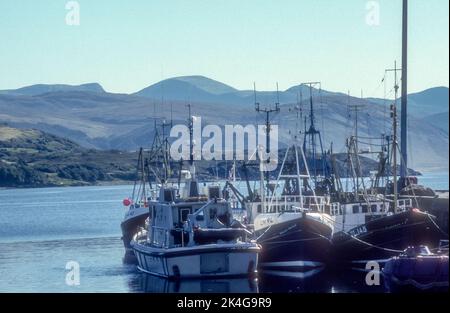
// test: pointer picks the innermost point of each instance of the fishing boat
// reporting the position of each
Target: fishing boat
(378, 234)
(287, 216)
(194, 235)
(376, 227)
(291, 227)
(152, 170)
(137, 207)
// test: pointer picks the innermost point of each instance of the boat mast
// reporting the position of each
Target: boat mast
(394, 126)
(310, 141)
(165, 152)
(267, 112)
(404, 116)
(354, 144)
(191, 142)
(394, 139)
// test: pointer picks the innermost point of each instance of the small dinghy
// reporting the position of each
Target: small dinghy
(416, 269)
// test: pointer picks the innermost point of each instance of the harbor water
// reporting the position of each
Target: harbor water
(44, 229)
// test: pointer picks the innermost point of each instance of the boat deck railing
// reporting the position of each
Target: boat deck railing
(376, 207)
(294, 203)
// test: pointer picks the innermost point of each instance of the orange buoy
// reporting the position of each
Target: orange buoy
(126, 202)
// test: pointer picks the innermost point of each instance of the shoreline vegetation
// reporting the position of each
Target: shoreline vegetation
(30, 158)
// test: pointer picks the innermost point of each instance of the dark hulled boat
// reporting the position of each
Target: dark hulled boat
(289, 222)
(298, 244)
(133, 221)
(384, 237)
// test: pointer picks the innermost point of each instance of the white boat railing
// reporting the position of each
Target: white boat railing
(283, 203)
(382, 207)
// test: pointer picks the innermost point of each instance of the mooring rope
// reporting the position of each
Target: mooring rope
(437, 226)
(294, 240)
(319, 236)
(375, 246)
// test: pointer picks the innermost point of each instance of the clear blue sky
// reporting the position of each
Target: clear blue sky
(128, 45)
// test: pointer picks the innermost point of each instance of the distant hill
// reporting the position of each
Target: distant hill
(202, 89)
(105, 120)
(32, 158)
(187, 88)
(46, 88)
(439, 120)
(206, 84)
(429, 102)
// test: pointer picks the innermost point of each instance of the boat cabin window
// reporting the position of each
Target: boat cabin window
(183, 214)
(355, 209)
(259, 208)
(200, 217)
(193, 190)
(214, 192)
(168, 195)
(212, 213)
(373, 208)
(364, 208)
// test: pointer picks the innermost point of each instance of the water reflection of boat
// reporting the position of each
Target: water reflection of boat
(155, 284)
(354, 281)
(312, 281)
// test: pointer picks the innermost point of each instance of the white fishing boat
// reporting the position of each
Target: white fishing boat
(194, 237)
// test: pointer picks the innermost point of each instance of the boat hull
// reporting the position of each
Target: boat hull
(133, 222)
(384, 237)
(216, 260)
(298, 245)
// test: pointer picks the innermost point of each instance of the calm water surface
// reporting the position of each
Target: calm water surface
(44, 228)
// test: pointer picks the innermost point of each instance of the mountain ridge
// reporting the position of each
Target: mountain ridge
(106, 120)
(199, 88)
(39, 89)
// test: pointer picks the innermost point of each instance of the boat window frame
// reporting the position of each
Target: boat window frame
(180, 213)
(376, 208)
(364, 208)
